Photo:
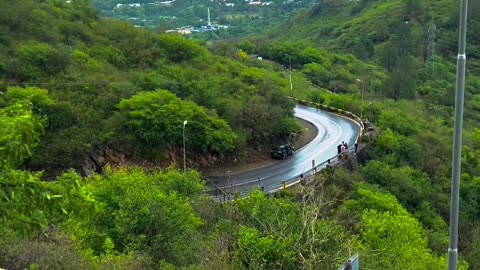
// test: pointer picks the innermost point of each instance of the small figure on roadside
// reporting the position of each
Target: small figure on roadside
(343, 151)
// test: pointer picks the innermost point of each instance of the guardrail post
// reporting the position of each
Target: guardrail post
(349, 265)
(284, 184)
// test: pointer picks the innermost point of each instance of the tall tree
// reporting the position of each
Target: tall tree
(387, 55)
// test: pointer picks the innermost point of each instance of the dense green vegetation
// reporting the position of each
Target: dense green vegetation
(241, 17)
(102, 78)
(409, 85)
(71, 82)
(414, 42)
(131, 219)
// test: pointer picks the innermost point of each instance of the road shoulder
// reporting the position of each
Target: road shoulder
(258, 159)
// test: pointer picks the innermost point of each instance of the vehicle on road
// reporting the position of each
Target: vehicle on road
(282, 151)
(367, 125)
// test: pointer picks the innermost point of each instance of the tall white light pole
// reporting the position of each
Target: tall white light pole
(184, 155)
(290, 75)
(361, 104)
(457, 138)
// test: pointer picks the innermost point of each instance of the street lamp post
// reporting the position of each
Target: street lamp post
(361, 104)
(457, 138)
(370, 118)
(184, 155)
(290, 74)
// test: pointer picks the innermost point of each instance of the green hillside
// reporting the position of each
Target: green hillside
(102, 75)
(410, 45)
(229, 19)
(75, 87)
(341, 25)
(408, 53)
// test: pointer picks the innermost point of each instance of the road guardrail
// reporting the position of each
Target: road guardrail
(227, 193)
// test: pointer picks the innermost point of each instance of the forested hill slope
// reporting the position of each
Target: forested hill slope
(414, 42)
(407, 90)
(357, 26)
(95, 82)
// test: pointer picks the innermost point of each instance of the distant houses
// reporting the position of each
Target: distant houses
(186, 30)
(170, 3)
(162, 3)
(259, 3)
(137, 5)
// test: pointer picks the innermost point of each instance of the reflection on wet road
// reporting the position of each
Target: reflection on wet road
(332, 130)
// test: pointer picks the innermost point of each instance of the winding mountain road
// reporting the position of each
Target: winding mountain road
(332, 130)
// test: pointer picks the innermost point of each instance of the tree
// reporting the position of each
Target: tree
(290, 235)
(20, 132)
(402, 83)
(360, 50)
(387, 55)
(29, 205)
(156, 119)
(178, 49)
(408, 185)
(317, 74)
(391, 237)
(142, 212)
(255, 251)
(395, 241)
(413, 7)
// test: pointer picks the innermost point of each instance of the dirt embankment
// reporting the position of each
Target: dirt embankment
(207, 164)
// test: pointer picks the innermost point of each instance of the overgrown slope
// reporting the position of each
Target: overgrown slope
(341, 25)
(89, 65)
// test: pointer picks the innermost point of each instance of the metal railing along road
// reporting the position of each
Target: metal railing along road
(228, 192)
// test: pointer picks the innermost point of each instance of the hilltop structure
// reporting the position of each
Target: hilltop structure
(185, 30)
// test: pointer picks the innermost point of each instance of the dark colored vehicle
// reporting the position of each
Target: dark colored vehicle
(282, 151)
(367, 125)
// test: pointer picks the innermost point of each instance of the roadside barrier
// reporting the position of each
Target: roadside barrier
(228, 193)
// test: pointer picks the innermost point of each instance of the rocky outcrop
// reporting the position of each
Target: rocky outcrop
(103, 156)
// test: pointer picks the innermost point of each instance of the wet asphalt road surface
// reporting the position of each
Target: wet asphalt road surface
(332, 130)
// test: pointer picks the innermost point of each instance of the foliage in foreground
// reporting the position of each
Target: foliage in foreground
(130, 218)
(89, 65)
(156, 118)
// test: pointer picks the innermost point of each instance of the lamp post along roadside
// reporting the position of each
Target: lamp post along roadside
(457, 137)
(361, 102)
(290, 75)
(184, 155)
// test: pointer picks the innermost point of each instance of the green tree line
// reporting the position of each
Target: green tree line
(101, 76)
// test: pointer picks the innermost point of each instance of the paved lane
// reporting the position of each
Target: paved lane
(332, 130)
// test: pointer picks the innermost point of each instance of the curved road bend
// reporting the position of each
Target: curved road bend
(332, 130)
